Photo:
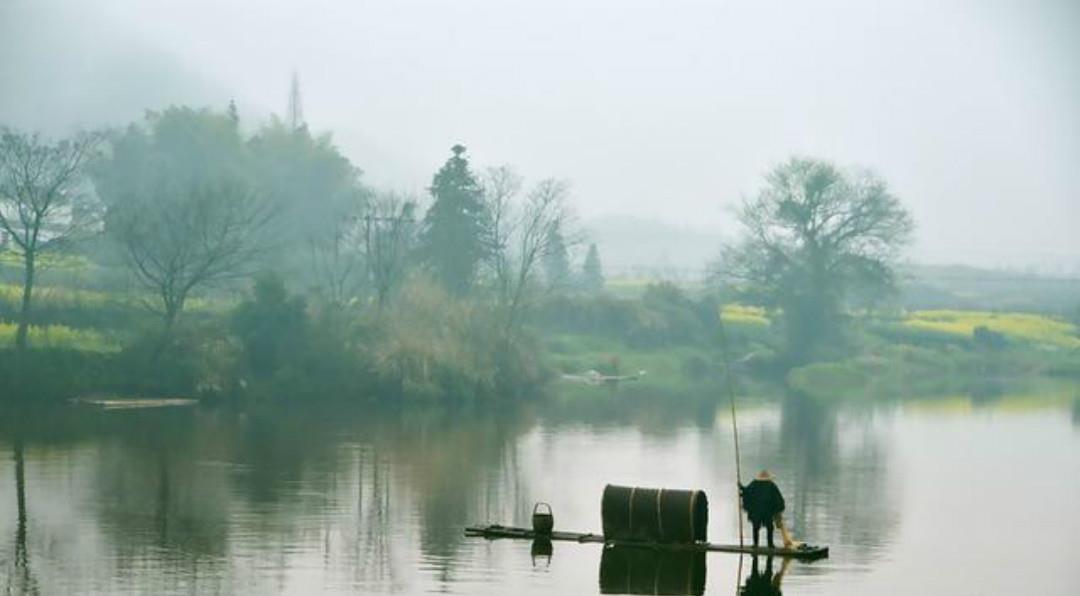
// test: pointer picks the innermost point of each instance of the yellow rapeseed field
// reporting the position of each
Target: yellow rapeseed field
(60, 336)
(746, 315)
(1023, 326)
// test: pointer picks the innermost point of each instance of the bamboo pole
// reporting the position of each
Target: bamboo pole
(734, 420)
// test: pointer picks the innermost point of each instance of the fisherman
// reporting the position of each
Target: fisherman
(764, 505)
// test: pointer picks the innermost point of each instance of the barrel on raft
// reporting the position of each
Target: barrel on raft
(654, 515)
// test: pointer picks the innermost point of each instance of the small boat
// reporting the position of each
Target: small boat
(595, 377)
(119, 403)
(494, 531)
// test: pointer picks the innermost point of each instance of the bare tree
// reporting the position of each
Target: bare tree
(501, 185)
(520, 236)
(181, 240)
(42, 203)
(338, 261)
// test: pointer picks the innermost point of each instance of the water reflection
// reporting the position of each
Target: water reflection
(346, 500)
(20, 579)
(763, 582)
(627, 570)
(833, 467)
(541, 552)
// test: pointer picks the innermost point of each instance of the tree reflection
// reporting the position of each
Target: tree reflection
(21, 580)
(374, 494)
(834, 474)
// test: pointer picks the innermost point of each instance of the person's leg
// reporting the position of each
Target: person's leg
(789, 542)
(757, 528)
(768, 534)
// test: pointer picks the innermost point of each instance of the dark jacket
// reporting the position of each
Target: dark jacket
(762, 500)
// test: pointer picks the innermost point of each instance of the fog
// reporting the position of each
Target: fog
(663, 111)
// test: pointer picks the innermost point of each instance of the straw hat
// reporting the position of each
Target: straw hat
(764, 475)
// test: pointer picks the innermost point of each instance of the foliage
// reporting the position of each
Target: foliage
(271, 325)
(663, 316)
(426, 344)
(314, 191)
(592, 272)
(813, 237)
(988, 339)
(191, 359)
(180, 204)
(452, 242)
(431, 344)
(556, 260)
(53, 374)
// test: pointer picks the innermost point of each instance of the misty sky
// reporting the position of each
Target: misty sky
(664, 110)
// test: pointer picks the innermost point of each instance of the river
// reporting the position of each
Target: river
(953, 495)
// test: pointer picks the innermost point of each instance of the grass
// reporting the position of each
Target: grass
(61, 337)
(1020, 326)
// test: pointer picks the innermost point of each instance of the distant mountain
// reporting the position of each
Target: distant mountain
(962, 286)
(73, 68)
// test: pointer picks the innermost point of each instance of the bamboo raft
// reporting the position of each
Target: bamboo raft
(493, 532)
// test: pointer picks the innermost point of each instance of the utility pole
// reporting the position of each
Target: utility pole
(383, 237)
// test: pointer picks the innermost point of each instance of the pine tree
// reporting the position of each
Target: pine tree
(452, 242)
(592, 274)
(556, 260)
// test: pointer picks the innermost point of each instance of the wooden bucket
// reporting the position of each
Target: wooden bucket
(543, 522)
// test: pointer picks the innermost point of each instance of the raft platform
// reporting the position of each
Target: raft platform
(804, 552)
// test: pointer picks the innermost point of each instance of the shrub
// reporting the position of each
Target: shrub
(434, 345)
(663, 316)
(271, 325)
(987, 339)
(53, 374)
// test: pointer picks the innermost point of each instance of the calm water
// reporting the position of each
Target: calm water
(946, 496)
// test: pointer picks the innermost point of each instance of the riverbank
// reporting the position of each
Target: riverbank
(430, 347)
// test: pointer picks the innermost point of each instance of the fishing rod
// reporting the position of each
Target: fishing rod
(734, 420)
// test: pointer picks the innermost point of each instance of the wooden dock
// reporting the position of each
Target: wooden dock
(494, 532)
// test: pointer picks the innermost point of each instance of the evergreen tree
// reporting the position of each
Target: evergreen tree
(556, 260)
(592, 274)
(452, 244)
